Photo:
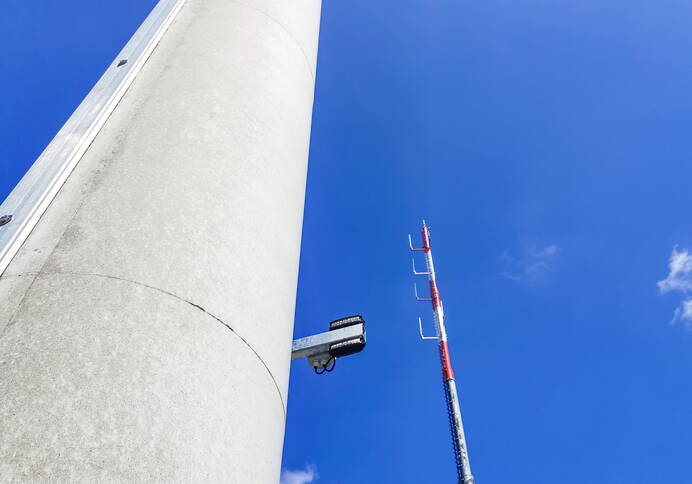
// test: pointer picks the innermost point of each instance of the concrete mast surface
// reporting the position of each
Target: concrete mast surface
(146, 322)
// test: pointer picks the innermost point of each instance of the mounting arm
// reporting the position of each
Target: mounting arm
(345, 337)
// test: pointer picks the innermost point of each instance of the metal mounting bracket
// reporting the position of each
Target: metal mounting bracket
(416, 272)
(420, 330)
(418, 298)
(322, 348)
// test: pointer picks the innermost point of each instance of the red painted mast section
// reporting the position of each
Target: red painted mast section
(451, 396)
(447, 371)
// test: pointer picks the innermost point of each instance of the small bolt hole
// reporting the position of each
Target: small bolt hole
(5, 219)
(122, 62)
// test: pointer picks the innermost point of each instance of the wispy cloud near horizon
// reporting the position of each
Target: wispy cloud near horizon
(531, 266)
(679, 279)
(305, 476)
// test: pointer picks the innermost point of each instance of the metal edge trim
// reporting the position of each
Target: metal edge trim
(38, 187)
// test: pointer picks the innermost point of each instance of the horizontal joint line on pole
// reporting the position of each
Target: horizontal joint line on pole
(163, 291)
(300, 47)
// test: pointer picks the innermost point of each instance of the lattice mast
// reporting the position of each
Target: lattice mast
(450, 388)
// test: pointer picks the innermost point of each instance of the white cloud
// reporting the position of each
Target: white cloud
(679, 279)
(683, 313)
(511, 277)
(680, 275)
(536, 267)
(535, 263)
(309, 474)
(546, 251)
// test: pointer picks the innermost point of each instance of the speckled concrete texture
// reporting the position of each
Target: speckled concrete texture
(145, 325)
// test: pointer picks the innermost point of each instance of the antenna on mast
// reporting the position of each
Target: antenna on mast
(451, 396)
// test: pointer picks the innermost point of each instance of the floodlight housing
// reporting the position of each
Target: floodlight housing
(346, 336)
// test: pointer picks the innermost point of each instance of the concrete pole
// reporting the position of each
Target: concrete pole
(146, 323)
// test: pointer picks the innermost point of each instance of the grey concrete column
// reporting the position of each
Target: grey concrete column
(145, 325)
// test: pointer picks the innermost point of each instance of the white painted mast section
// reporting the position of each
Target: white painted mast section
(448, 380)
(146, 320)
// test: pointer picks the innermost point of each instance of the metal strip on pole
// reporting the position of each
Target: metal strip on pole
(25, 205)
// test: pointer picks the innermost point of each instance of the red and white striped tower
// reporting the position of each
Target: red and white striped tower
(452, 397)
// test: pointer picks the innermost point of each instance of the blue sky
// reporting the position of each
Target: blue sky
(547, 143)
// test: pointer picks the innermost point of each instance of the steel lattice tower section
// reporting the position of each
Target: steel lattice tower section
(450, 387)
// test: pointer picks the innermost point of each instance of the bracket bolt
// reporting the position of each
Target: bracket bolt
(5, 219)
